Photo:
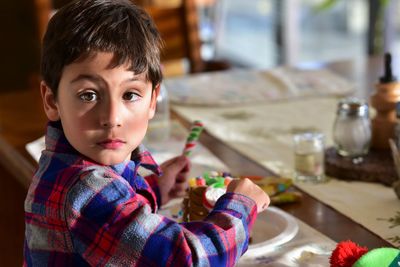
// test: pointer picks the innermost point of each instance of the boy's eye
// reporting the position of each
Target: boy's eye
(130, 96)
(88, 96)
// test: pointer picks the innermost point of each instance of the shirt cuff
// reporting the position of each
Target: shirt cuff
(238, 205)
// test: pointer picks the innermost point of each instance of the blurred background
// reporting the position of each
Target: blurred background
(266, 33)
(252, 34)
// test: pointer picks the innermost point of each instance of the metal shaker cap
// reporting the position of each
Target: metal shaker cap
(353, 106)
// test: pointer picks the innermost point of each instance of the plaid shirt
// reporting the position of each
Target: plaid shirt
(80, 213)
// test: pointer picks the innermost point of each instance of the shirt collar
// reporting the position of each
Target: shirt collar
(142, 155)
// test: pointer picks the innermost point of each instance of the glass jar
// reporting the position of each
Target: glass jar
(352, 128)
(309, 157)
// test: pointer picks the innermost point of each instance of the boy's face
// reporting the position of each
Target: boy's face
(104, 111)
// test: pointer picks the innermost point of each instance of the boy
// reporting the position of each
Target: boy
(87, 205)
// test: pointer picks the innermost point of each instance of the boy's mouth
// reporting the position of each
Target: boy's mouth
(111, 143)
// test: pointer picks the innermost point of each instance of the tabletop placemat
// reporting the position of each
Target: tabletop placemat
(264, 133)
(373, 205)
(237, 87)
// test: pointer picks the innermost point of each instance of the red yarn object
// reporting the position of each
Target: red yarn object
(346, 254)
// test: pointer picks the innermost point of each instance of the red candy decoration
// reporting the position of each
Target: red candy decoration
(200, 181)
(346, 254)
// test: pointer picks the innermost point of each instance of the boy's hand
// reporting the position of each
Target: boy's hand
(173, 182)
(248, 188)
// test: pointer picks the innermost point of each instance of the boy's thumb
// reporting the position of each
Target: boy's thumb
(181, 163)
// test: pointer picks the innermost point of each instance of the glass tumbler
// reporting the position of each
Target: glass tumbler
(309, 157)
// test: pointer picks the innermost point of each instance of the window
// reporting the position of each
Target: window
(266, 33)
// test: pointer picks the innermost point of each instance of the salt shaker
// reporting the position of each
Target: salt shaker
(352, 128)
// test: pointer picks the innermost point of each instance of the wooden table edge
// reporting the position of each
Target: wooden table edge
(15, 163)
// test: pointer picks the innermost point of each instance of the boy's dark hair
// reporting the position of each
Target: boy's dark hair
(84, 27)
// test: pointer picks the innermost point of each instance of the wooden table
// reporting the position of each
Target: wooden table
(22, 120)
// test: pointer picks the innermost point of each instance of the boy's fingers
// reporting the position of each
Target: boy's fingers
(262, 207)
(187, 166)
(182, 184)
(180, 165)
(264, 202)
(177, 162)
(248, 188)
(178, 191)
(177, 194)
(168, 162)
(182, 176)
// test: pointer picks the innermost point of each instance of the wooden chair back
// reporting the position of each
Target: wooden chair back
(177, 22)
(179, 29)
(43, 9)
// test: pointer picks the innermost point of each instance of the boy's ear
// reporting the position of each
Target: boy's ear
(49, 102)
(153, 102)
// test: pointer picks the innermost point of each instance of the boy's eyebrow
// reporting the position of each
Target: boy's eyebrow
(99, 79)
(89, 77)
(133, 79)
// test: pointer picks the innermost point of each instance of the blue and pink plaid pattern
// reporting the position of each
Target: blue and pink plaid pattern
(79, 213)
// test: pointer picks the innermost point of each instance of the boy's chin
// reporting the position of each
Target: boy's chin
(112, 160)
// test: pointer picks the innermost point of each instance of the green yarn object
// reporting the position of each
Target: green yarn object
(382, 257)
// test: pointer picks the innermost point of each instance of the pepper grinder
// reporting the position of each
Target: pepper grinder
(384, 100)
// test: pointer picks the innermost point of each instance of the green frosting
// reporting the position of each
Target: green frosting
(216, 182)
(382, 257)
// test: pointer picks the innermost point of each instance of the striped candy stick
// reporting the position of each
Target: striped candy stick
(195, 131)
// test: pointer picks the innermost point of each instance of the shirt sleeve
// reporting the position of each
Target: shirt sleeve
(152, 180)
(111, 224)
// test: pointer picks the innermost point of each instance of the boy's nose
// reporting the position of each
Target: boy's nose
(111, 116)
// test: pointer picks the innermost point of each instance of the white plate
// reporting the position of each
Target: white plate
(272, 228)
